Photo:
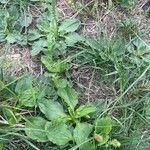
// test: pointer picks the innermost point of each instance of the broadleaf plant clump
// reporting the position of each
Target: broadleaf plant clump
(44, 111)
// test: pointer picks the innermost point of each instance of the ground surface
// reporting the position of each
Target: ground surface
(90, 77)
(94, 22)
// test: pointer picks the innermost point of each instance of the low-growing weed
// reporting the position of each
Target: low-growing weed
(11, 28)
(65, 124)
(44, 112)
(129, 28)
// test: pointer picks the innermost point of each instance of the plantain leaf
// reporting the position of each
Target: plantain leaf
(73, 38)
(25, 20)
(33, 35)
(35, 129)
(4, 15)
(87, 146)
(85, 110)
(60, 83)
(29, 97)
(103, 126)
(69, 95)
(58, 66)
(58, 133)
(2, 36)
(23, 84)
(69, 25)
(81, 134)
(43, 25)
(52, 110)
(38, 46)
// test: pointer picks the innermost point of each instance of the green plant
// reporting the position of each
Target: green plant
(139, 52)
(14, 18)
(129, 28)
(53, 37)
(43, 111)
(63, 122)
(11, 27)
(129, 4)
(58, 130)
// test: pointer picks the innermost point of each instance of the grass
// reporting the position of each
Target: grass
(90, 89)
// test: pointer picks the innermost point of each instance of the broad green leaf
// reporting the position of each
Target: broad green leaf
(2, 36)
(94, 44)
(72, 38)
(52, 110)
(10, 38)
(29, 97)
(35, 129)
(14, 12)
(86, 146)
(33, 35)
(69, 25)
(23, 84)
(9, 116)
(49, 92)
(20, 39)
(129, 4)
(43, 25)
(58, 133)
(51, 41)
(26, 20)
(140, 47)
(4, 15)
(18, 28)
(69, 95)
(81, 134)
(38, 46)
(60, 83)
(58, 66)
(103, 126)
(85, 110)
(47, 15)
(146, 58)
(16, 37)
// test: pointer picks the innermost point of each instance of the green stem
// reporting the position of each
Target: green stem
(54, 6)
(72, 116)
